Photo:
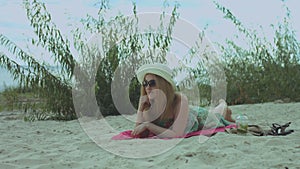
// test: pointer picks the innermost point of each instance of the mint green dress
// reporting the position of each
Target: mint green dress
(199, 118)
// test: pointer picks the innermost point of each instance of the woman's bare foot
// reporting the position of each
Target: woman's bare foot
(228, 116)
(224, 110)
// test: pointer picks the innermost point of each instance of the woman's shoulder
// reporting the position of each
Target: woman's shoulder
(181, 100)
(181, 104)
(180, 97)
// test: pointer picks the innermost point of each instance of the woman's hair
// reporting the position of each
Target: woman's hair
(169, 91)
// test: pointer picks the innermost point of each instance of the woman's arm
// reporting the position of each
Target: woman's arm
(139, 118)
(143, 105)
(148, 112)
(178, 127)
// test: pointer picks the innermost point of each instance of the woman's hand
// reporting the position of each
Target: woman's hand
(144, 103)
(139, 129)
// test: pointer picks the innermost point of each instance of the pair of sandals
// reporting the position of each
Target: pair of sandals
(276, 130)
(280, 130)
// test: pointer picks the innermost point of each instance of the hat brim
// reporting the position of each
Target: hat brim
(156, 69)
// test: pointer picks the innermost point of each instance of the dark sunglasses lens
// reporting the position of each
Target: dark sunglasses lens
(151, 83)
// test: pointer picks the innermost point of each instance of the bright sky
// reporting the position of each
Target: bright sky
(14, 24)
(66, 14)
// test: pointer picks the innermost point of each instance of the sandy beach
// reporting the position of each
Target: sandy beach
(86, 143)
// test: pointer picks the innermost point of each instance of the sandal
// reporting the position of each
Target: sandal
(256, 130)
(280, 130)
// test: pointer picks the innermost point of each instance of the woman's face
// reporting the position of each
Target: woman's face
(150, 84)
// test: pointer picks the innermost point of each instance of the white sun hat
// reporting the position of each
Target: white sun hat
(157, 69)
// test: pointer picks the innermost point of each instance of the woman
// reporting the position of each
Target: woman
(165, 113)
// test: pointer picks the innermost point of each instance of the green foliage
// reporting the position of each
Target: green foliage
(9, 99)
(122, 44)
(56, 90)
(264, 71)
(124, 47)
(18, 98)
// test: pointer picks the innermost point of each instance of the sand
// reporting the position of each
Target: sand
(86, 143)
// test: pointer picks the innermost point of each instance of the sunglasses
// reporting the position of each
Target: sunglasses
(151, 83)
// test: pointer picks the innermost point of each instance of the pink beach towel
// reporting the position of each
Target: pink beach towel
(125, 135)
